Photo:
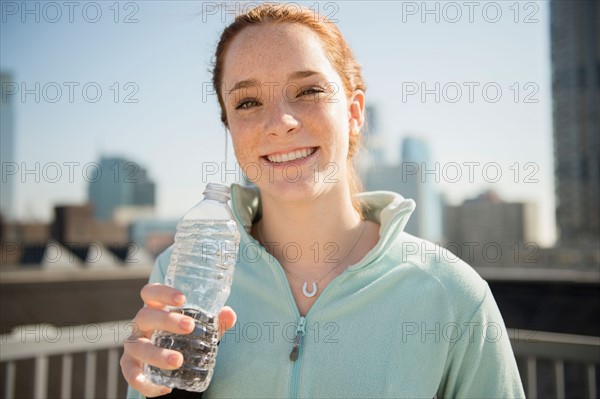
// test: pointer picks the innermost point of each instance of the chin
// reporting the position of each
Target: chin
(304, 189)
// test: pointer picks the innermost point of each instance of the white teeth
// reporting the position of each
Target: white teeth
(298, 154)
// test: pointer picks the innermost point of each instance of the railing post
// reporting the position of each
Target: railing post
(559, 370)
(67, 376)
(591, 372)
(90, 375)
(11, 377)
(531, 377)
(112, 373)
(41, 377)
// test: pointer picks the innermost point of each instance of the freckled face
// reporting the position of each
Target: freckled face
(287, 111)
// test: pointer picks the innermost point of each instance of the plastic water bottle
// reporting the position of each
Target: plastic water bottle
(201, 267)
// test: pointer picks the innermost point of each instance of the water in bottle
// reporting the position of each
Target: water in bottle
(201, 267)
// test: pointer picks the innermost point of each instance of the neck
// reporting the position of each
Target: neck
(329, 220)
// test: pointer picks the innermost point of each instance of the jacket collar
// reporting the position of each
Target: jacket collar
(390, 210)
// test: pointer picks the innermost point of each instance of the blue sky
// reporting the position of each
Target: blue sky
(162, 61)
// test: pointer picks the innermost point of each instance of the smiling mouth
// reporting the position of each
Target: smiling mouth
(291, 156)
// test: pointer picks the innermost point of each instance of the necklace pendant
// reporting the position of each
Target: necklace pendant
(312, 293)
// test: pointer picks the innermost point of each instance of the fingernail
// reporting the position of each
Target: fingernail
(174, 360)
(179, 298)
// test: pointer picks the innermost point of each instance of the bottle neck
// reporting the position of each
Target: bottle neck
(216, 192)
(216, 196)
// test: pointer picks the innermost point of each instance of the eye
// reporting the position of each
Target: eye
(247, 103)
(311, 90)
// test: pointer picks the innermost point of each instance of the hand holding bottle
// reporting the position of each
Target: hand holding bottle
(138, 348)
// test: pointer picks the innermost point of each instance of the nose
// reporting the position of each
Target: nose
(279, 120)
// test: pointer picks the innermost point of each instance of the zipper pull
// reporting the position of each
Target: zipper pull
(299, 333)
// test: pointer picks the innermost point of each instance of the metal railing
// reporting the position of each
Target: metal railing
(40, 342)
(530, 347)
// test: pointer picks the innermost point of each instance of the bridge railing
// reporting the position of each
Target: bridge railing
(41, 342)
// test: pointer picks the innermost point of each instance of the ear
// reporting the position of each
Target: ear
(356, 111)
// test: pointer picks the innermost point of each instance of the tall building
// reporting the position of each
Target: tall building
(575, 91)
(411, 180)
(119, 183)
(487, 231)
(421, 187)
(7, 146)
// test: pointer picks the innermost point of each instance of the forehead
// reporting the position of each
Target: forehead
(272, 51)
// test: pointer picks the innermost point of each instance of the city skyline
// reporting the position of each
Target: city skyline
(414, 72)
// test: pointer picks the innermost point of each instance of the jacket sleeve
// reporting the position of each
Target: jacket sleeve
(481, 363)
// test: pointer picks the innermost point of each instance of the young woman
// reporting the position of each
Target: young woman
(336, 300)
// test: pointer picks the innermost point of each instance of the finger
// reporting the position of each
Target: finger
(144, 351)
(158, 295)
(227, 318)
(149, 320)
(134, 375)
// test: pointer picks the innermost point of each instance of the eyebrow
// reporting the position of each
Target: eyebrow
(301, 75)
(244, 84)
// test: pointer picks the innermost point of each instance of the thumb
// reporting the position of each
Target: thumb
(227, 318)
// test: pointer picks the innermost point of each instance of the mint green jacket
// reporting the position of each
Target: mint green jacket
(410, 320)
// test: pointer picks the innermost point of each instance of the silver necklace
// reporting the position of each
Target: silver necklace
(310, 294)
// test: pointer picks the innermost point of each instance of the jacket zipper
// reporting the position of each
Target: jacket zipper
(294, 355)
(298, 340)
